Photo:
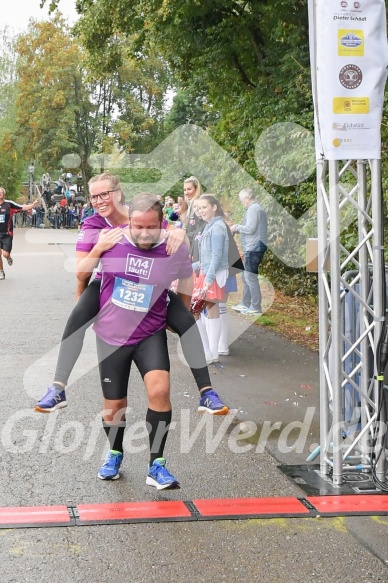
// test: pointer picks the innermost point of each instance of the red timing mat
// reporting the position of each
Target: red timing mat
(251, 506)
(35, 516)
(133, 511)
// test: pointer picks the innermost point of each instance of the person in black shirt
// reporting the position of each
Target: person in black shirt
(7, 209)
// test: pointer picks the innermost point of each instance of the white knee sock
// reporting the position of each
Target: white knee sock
(223, 345)
(204, 338)
(214, 333)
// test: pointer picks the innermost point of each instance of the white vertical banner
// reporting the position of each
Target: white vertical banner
(349, 59)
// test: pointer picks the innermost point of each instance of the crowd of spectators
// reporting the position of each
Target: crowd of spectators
(64, 204)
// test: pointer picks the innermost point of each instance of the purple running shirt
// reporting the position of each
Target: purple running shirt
(133, 298)
(89, 233)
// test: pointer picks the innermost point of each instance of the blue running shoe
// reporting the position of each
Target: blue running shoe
(210, 402)
(159, 476)
(110, 468)
(53, 399)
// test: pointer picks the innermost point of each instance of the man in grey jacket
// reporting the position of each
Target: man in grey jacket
(254, 243)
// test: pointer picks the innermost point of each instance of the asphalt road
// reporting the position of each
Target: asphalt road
(268, 382)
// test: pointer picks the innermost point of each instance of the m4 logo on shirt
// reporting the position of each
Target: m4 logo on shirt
(140, 266)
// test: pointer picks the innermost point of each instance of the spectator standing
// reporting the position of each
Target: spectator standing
(45, 181)
(58, 186)
(253, 232)
(37, 216)
(87, 211)
(192, 190)
(212, 271)
(79, 181)
(47, 194)
(72, 212)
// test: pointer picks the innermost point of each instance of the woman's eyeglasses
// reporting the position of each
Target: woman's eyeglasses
(103, 196)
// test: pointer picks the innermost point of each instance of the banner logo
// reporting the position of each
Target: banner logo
(354, 105)
(350, 76)
(350, 43)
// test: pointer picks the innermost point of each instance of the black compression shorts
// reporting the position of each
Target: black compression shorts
(6, 242)
(115, 362)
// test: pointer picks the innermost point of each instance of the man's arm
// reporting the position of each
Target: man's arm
(28, 207)
(185, 290)
(251, 223)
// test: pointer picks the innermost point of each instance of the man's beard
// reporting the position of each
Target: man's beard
(151, 241)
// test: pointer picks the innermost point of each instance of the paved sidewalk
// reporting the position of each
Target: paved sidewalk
(53, 459)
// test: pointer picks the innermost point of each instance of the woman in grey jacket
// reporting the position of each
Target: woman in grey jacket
(212, 271)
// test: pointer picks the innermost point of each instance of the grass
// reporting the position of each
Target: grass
(295, 318)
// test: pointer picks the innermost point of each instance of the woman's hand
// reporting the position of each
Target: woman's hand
(206, 286)
(108, 238)
(174, 239)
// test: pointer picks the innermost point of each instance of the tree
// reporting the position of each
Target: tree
(248, 60)
(55, 111)
(187, 107)
(140, 92)
(67, 104)
(11, 161)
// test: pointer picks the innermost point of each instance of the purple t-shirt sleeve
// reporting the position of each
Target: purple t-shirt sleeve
(87, 238)
(88, 235)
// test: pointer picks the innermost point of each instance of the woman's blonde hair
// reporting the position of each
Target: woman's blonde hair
(198, 187)
(198, 192)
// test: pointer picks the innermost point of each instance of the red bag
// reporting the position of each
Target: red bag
(198, 301)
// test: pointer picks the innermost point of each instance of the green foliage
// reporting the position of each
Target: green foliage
(11, 162)
(292, 281)
(11, 166)
(189, 107)
(54, 109)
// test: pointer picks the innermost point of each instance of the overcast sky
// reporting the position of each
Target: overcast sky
(16, 13)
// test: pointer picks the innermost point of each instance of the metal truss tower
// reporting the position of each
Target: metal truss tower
(351, 274)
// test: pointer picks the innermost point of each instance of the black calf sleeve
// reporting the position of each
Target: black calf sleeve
(115, 435)
(158, 424)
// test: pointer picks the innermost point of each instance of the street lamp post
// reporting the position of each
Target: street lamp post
(31, 170)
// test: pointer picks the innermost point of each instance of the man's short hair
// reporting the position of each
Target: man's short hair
(247, 193)
(3, 190)
(145, 201)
